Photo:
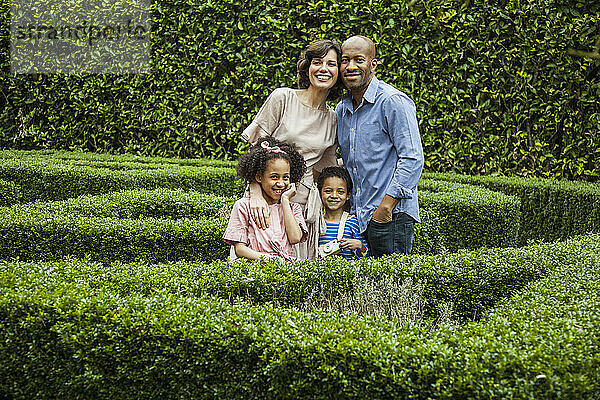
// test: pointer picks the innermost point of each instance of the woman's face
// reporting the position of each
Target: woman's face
(323, 72)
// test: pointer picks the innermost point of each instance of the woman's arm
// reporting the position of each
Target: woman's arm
(292, 228)
(264, 124)
(259, 209)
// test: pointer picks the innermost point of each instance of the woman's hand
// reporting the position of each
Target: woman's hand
(259, 209)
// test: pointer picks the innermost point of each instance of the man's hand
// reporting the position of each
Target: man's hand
(383, 214)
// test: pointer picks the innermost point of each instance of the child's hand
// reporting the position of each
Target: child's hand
(290, 192)
(351, 244)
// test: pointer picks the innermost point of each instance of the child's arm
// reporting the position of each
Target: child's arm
(237, 230)
(351, 244)
(292, 228)
(357, 241)
(243, 251)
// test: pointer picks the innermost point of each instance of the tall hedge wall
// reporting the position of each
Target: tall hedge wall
(495, 86)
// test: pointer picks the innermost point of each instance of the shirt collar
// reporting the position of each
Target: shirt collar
(369, 95)
(372, 90)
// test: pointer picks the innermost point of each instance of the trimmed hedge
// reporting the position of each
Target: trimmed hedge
(159, 203)
(472, 281)
(158, 225)
(550, 209)
(116, 160)
(152, 225)
(540, 344)
(10, 193)
(57, 180)
(472, 217)
(55, 237)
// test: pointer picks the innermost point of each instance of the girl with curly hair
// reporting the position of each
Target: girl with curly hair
(276, 167)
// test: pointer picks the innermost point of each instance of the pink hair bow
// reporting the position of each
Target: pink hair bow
(274, 149)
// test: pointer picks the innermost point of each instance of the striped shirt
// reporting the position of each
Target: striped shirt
(350, 232)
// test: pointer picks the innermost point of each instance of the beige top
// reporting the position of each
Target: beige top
(286, 118)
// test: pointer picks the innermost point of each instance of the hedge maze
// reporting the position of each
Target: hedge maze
(115, 284)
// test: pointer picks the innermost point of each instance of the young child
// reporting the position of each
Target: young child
(276, 166)
(335, 187)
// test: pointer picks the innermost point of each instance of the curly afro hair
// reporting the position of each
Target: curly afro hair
(254, 161)
(337, 172)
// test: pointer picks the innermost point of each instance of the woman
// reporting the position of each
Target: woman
(302, 117)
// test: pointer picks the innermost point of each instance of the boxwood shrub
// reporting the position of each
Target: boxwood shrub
(472, 281)
(550, 209)
(10, 193)
(542, 343)
(55, 236)
(57, 180)
(154, 225)
(138, 203)
(106, 159)
(472, 217)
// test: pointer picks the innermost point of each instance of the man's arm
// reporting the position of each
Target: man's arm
(401, 122)
(383, 213)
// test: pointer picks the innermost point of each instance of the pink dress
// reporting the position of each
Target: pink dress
(273, 240)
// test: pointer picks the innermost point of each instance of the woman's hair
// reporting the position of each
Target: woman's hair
(254, 161)
(319, 49)
(337, 172)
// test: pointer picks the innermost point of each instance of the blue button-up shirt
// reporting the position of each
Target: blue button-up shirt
(381, 148)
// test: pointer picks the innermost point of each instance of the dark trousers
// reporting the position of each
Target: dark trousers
(395, 236)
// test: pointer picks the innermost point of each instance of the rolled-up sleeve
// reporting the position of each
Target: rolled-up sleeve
(401, 123)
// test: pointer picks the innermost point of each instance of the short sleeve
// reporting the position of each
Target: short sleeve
(329, 158)
(268, 118)
(237, 228)
(297, 211)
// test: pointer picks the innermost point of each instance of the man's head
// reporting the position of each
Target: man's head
(358, 62)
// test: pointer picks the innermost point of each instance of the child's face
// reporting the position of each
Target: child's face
(275, 179)
(334, 193)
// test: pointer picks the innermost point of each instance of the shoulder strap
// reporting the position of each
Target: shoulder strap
(342, 225)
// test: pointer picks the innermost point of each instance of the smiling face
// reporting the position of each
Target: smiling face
(274, 180)
(323, 71)
(334, 193)
(358, 63)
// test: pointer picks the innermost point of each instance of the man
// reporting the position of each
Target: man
(381, 148)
